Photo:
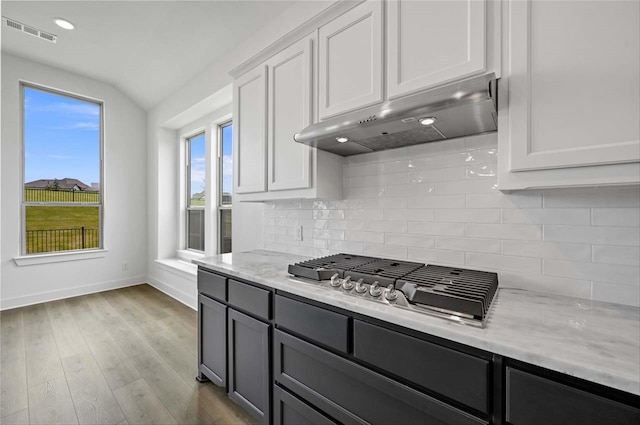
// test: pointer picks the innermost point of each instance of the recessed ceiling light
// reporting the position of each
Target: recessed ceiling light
(63, 23)
(342, 139)
(427, 121)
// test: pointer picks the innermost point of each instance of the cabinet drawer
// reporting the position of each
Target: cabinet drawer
(353, 394)
(455, 375)
(250, 299)
(212, 285)
(534, 400)
(290, 410)
(323, 326)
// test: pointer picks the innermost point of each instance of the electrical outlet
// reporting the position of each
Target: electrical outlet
(299, 233)
(125, 266)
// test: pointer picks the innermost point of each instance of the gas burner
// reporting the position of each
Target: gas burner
(454, 293)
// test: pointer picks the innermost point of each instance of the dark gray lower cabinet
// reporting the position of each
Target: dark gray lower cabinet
(353, 394)
(290, 410)
(212, 332)
(533, 400)
(249, 353)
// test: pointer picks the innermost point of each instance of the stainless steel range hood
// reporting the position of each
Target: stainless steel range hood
(461, 109)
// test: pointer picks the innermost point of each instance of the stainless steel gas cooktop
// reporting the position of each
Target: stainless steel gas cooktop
(453, 293)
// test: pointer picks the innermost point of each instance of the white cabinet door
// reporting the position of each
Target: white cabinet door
(433, 42)
(249, 143)
(574, 84)
(290, 97)
(350, 60)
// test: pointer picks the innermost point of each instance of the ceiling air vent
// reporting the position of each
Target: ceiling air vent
(28, 30)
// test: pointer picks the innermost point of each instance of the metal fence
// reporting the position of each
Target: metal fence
(52, 240)
(61, 195)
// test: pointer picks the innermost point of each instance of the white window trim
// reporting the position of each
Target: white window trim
(25, 259)
(219, 190)
(185, 186)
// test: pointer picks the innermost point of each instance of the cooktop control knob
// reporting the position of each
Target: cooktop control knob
(335, 280)
(390, 293)
(375, 290)
(347, 284)
(360, 286)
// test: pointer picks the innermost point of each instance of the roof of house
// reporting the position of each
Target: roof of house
(66, 183)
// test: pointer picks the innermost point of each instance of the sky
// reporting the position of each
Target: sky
(198, 161)
(61, 137)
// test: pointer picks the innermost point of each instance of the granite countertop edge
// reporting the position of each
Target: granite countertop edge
(551, 350)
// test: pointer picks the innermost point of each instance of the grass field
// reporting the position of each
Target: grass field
(59, 228)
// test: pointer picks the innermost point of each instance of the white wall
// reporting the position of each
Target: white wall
(438, 203)
(204, 94)
(125, 208)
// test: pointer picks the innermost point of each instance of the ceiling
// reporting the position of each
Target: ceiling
(148, 49)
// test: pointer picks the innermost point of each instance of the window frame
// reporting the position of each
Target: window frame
(220, 206)
(187, 199)
(24, 204)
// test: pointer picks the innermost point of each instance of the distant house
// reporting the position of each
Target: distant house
(198, 196)
(61, 184)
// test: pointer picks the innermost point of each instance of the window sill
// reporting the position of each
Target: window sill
(189, 255)
(58, 257)
(179, 265)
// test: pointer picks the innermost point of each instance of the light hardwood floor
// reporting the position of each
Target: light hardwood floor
(127, 356)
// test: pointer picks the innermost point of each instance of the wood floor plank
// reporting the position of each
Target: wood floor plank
(141, 406)
(92, 397)
(13, 369)
(19, 418)
(113, 363)
(42, 359)
(176, 395)
(50, 403)
(68, 337)
(87, 321)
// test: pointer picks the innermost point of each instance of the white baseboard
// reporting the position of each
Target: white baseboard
(189, 300)
(41, 297)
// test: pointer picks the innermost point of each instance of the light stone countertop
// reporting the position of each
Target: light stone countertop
(596, 341)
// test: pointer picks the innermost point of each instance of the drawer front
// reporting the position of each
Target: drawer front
(212, 285)
(290, 410)
(322, 326)
(250, 299)
(353, 394)
(455, 375)
(535, 400)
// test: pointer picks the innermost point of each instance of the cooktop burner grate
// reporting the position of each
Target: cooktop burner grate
(462, 291)
(385, 272)
(325, 267)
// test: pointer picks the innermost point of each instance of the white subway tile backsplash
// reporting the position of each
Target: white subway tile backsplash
(616, 217)
(409, 240)
(468, 244)
(612, 273)
(438, 203)
(468, 215)
(390, 251)
(593, 234)
(502, 200)
(417, 214)
(574, 216)
(529, 232)
(555, 250)
(592, 198)
(442, 229)
(436, 256)
(608, 254)
(359, 236)
(504, 262)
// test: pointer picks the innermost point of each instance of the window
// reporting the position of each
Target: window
(196, 185)
(225, 132)
(62, 199)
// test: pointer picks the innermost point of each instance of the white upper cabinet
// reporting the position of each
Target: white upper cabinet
(571, 112)
(290, 97)
(249, 143)
(350, 60)
(434, 42)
